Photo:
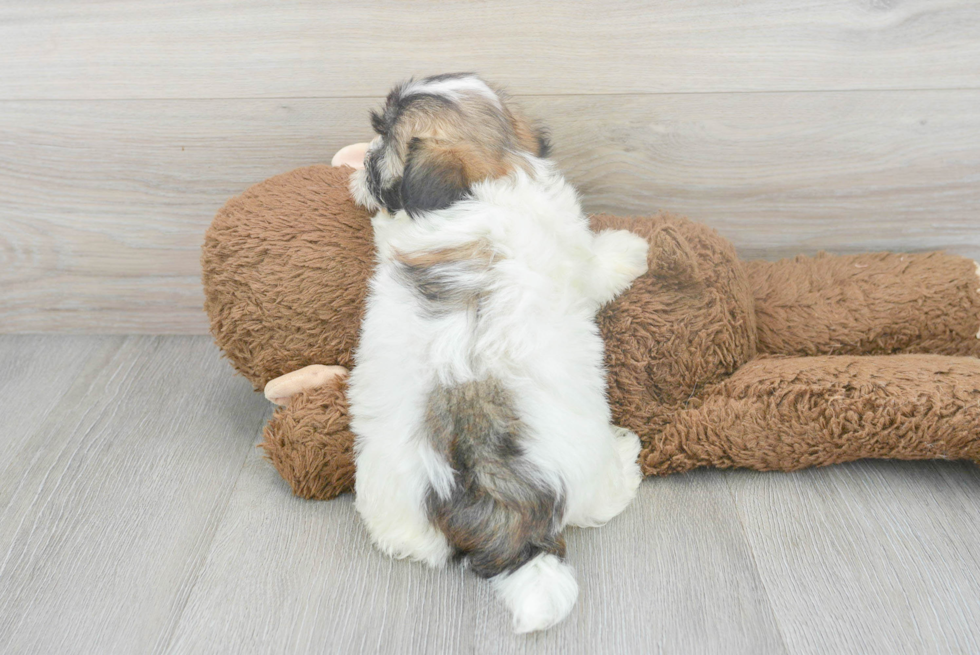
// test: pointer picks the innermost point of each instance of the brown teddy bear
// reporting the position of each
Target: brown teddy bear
(712, 361)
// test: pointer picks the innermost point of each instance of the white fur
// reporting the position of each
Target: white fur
(536, 333)
(539, 594)
(453, 88)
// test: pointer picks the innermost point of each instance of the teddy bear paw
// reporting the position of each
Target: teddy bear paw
(281, 389)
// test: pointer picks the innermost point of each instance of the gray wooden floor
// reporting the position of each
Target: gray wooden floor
(136, 516)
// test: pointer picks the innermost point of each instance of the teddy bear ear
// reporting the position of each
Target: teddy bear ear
(673, 259)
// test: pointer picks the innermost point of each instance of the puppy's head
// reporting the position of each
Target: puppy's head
(436, 138)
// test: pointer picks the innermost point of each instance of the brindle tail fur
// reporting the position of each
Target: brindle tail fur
(500, 516)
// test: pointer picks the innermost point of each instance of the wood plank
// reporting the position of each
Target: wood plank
(127, 524)
(782, 174)
(286, 575)
(35, 373)
(870, 557)
(109, 504)
(263, 48)
(106, 202)
(673, 574)
(289, 575)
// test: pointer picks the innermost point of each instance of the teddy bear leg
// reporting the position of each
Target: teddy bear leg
(871, 304)
(617, 483)
(390, 495)
(795, 412)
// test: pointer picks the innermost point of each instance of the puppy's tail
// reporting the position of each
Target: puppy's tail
(539, 594)
(500, 515)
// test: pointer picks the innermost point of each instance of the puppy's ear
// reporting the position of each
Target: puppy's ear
(543, 140)
(378, 123)
(434, 177)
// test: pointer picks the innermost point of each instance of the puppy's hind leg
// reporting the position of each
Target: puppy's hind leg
(390, 497)
(617, 483)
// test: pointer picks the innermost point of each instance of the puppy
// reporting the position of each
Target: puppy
(478, 396)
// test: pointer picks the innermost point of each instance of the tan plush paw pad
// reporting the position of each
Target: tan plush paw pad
(284, 387)
(352, 155)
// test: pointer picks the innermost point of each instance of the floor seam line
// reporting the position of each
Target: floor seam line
(166, 646)
(755, 564)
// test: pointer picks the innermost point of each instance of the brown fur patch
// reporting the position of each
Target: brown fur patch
(531, 139)
(449, 278)
(481, 251)
(498, 516)
(469, 134)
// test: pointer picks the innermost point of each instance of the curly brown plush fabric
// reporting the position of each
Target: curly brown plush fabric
(712, 361)
(873, 304)
(293, 440)
(285, 271)
(790, 413)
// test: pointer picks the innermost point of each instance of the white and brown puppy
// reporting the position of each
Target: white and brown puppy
(478, 396)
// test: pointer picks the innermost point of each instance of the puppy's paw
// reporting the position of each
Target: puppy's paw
(427, 545)
(628, 446)
(624, 253)
(621, 257)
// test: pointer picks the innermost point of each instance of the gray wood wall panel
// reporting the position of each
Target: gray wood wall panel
(184, 49)
(105, 202)
(784, 173)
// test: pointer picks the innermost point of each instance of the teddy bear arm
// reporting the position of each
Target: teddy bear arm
(310, 443)
(791, 413)
(870, 304)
